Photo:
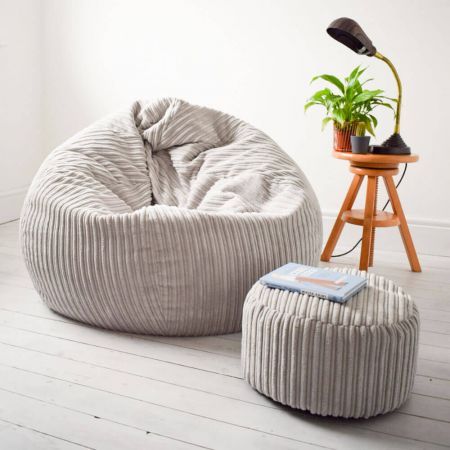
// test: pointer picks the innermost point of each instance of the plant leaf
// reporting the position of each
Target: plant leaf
(374, 120)
(353, 74)
(366, 81)
(331, 79)
(318, 96)
(325, 122)
(386, 105)
(369, 128)
(309, 104)
(367, 95)
(389, 98)
(339, 116)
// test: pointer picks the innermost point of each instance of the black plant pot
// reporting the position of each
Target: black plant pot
(360, 144)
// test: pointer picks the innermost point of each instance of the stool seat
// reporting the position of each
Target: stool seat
(355, 359)
(380, 219)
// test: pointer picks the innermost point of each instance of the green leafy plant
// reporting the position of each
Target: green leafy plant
(351, 103)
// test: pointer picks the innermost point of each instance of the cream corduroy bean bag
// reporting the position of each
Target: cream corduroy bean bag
(355, 359)
(159, 219)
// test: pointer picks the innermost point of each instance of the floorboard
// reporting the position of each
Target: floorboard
(68, 385)
(16, 437)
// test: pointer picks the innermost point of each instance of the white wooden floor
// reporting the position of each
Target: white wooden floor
(67, 385)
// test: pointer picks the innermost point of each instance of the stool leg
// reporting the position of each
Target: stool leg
(404, 229)
(368, 223)
(339, 223)
(372, 243)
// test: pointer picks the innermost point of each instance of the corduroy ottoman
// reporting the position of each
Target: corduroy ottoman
(355, 359)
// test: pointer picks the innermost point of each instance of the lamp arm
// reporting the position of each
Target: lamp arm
(399, 86)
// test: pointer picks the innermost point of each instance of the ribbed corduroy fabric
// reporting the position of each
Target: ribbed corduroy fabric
(159, 219)
(355, 359)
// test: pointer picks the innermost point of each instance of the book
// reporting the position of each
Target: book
(322, 283)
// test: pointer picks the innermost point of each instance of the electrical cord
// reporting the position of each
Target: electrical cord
(384, 207)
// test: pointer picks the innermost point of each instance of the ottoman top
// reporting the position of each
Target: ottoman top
(380, 303)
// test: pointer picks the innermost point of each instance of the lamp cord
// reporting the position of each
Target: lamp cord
(384, 207)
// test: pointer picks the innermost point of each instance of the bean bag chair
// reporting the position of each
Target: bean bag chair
(159, 219)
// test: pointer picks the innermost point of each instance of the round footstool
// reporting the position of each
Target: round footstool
(355, 359)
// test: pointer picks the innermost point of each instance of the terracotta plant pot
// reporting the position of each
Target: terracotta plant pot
(342, 135)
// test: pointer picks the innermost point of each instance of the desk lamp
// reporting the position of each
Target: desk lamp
(348, 32)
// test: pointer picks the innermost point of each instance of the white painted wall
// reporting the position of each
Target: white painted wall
(20, 101)
(254, 59)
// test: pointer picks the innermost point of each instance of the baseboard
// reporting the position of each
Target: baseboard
(11, 203)
(431, 237)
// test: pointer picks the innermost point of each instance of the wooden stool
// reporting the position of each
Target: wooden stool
(372, 166)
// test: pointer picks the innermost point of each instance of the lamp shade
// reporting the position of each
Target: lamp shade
(348, 32)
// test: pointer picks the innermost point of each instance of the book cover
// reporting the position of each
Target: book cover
(322, 283)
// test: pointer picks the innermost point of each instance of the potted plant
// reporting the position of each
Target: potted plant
(359, 141)
(349, 106)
